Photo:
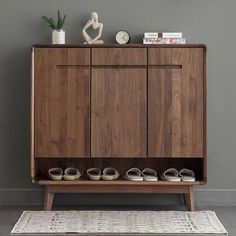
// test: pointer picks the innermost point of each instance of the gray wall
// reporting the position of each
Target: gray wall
(202, 21)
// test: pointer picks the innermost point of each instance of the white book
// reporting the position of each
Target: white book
(172, 35)
(151, 35)
(163, 35)
(164, 40)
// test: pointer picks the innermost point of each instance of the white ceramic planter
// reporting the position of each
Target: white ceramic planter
(58, 37)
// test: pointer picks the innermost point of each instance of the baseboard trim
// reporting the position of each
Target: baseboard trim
(215, 197)
(210, 197)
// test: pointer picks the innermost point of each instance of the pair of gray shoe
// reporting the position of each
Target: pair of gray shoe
(135, 174)
(172, 174)
(70, 173)
(109, 173)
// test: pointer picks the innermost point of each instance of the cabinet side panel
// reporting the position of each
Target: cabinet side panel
(205, 114)
(32, 160)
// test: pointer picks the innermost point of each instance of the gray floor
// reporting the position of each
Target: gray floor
(9, 215)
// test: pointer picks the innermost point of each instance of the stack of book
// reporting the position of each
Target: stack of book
(163, 38)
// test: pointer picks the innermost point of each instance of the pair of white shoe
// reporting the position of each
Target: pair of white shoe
(174, 175)
(135, 174)
(109, 173)
(70, 173)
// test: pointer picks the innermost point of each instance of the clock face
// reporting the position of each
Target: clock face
(122, 37)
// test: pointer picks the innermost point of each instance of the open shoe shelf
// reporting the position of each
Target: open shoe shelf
(122, 165)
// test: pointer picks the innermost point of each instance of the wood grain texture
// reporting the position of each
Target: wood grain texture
(48, 199)
(66, 56)
(62, 98)
(119, 56)
(85, 182)
(189, 199)
(118, 186)
(161, 56)
(111, 45)
(118, 119)
(176, 103)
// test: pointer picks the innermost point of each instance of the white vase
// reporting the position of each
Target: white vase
(58, 37)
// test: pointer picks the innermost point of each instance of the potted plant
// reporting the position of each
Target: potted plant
(58, 33)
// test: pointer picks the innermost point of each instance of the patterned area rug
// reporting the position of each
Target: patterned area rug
(119, 222)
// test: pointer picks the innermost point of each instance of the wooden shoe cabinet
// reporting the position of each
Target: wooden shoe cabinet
(120, 106)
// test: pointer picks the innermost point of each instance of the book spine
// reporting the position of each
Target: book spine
(163, 35)
(151, 35)
(164, 40)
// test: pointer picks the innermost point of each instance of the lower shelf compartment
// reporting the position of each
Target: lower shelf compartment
(122, 165)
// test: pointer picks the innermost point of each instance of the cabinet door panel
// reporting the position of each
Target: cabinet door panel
(118, 122)
(175, 105)
(62, 97)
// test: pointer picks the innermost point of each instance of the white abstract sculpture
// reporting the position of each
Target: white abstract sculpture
(93, 22)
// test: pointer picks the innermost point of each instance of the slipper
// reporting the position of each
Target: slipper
(133, 174)
(55, 173)
(94, 173)
(71, 173)
(110, 173)
(171, 175)
(187, 175)
(149, 174)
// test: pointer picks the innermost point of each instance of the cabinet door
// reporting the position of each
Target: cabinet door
(62, 97)
(118, 122)
(175, 102)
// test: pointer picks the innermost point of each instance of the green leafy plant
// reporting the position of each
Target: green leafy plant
(55, 25)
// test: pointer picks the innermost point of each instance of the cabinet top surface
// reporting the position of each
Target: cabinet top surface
(120, 46)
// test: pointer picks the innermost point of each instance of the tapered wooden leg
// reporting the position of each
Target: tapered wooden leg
(188, 198)
(48, 199)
